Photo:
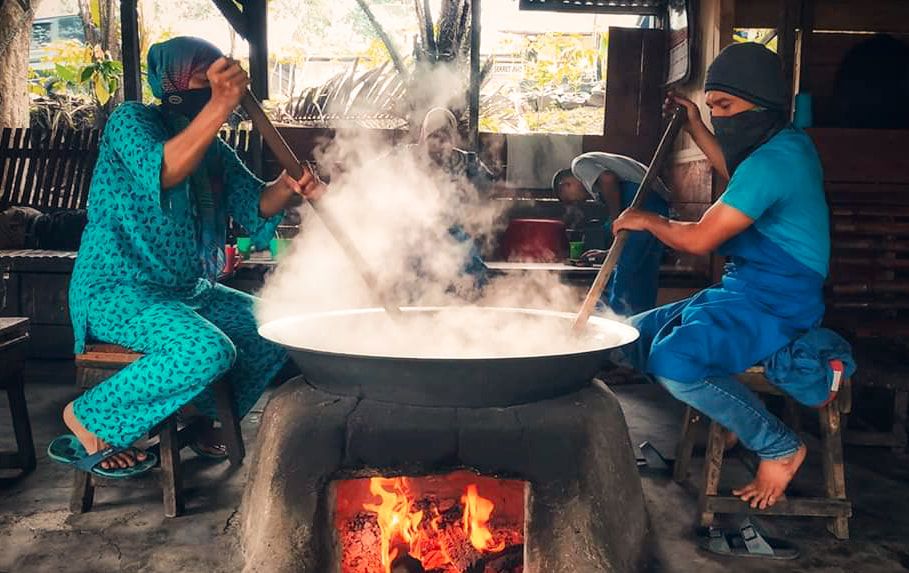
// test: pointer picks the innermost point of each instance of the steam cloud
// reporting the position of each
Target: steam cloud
(398, 209)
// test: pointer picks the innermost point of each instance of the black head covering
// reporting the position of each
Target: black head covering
(752, 72)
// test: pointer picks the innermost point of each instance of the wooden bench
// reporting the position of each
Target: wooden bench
(833, 505)
(101, 361)
(14, 338)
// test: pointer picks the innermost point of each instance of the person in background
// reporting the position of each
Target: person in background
(146, 276)
(439, 142)
(773, 223)
(612, 180)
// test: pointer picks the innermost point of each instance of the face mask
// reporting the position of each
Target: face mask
(187, 103)
(740, 134)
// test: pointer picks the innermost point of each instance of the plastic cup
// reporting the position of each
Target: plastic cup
(244, 246)
(278, 247)
(575, 249)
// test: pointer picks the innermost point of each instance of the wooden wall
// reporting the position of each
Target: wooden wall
(819, 67)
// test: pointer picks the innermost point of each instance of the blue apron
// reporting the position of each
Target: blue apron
(765, 300)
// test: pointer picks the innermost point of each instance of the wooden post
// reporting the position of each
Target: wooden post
(132, 65)
(473, 119)
(790, 15)
(257, 23)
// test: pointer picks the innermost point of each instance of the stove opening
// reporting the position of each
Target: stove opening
(453, 523)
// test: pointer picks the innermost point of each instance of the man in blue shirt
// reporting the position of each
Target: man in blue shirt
(613, 180)
(772, 222)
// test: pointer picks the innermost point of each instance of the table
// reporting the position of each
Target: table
(14, 338)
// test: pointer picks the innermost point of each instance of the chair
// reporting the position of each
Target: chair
(14, 338)
(101, 361)
(834, 505)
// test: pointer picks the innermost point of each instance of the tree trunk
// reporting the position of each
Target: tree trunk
(15, 37)
(92, 32)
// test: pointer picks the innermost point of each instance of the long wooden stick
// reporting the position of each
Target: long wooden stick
(288, 160)
(656, 164)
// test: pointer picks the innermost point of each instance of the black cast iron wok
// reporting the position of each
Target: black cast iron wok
(437, 379)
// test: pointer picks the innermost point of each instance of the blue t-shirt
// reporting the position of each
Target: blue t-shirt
(780, 186)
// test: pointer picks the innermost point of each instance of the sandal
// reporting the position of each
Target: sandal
(67, 450)
(204, 448)
(748, 541)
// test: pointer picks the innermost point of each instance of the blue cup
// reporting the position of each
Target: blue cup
(804, 114)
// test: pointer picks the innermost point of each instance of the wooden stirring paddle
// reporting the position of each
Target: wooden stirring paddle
(288, 160)
(656, 164)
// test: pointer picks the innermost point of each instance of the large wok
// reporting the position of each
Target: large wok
(440, 380)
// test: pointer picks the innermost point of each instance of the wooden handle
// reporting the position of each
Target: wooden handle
(288, 160)
(656, 164)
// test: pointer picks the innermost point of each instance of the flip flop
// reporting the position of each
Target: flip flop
(67, 450)
(748, 541)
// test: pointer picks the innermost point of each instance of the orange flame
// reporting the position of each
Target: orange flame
(477, 511)
(402, 527)
(396, 520)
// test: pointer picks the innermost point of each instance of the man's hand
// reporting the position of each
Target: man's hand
(632, 220)
(693, 118)
(228, 84)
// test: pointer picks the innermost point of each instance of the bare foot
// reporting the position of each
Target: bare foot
(93, 443)
(773, 476)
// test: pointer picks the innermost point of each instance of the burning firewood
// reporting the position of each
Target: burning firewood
(506, 561)
(406, 564)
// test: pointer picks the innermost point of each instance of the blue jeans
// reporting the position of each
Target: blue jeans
(728, 402)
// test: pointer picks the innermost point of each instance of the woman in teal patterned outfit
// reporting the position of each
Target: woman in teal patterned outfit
(145, 278)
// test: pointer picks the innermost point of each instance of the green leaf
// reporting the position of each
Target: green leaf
(87, 73)
(101, 91)
(67, 73)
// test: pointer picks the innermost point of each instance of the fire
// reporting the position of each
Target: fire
(396, 520)
(403, 527)
(477, 511)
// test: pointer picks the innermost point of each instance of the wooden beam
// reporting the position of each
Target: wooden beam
(235, 17)
(132, 65)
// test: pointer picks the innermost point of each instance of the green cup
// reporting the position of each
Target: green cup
(575, 249)
(244, 246)
(278, 247)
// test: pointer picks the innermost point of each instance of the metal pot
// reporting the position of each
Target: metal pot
(447, 381)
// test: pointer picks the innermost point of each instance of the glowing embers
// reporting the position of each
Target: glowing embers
(454, 523)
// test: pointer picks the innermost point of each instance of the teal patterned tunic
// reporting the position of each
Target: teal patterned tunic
(140, 281)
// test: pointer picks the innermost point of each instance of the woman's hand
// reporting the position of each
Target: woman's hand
(228, 84)
(674, 100)
(632, 220)
(309, 186)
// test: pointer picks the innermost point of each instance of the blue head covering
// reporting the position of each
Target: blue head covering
(172, 63)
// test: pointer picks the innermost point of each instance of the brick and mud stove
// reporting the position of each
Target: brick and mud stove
(370, 464)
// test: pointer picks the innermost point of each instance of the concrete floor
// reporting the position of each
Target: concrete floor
(127, 531)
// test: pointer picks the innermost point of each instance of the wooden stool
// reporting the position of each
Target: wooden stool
(101, 361)
(834, 505)
(13, 343)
